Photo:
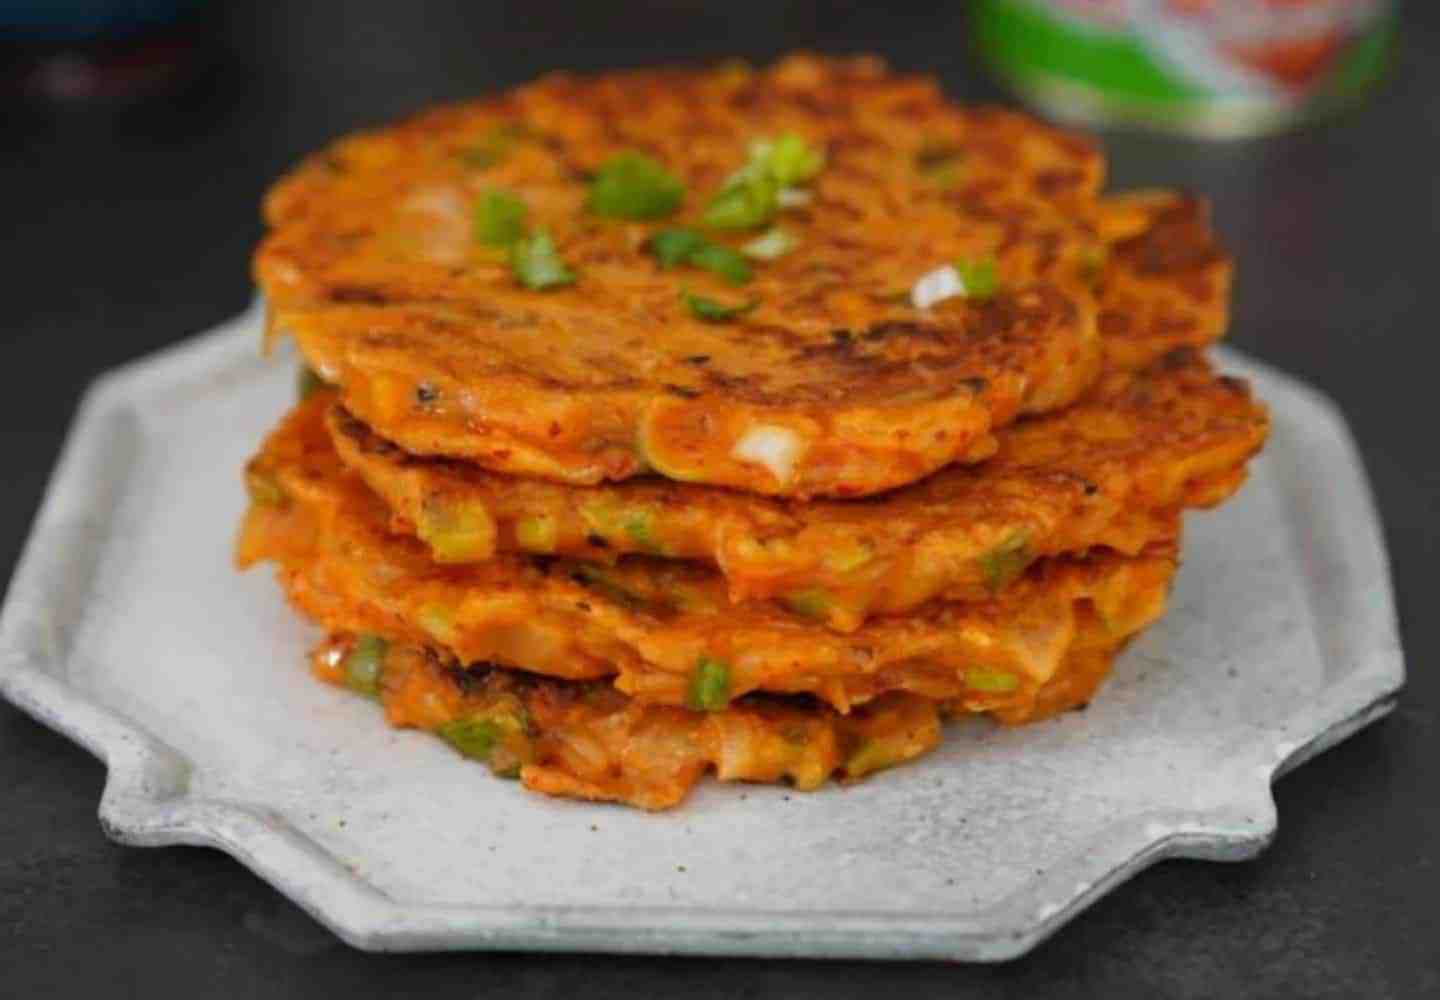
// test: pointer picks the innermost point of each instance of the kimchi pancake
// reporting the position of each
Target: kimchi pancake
(664, 629)
(585, 739)
(815, 366)
(1108, 472)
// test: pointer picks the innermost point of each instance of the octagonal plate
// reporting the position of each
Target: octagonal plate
(127, 629)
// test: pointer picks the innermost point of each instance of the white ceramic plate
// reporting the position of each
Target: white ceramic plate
(127, 629)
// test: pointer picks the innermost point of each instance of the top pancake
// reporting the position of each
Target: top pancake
(833, 384)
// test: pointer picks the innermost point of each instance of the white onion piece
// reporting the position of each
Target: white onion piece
(936, 286)
(772, 446)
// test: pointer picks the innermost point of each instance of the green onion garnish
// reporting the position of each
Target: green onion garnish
(673, 247)
(746, 201)
(364, 664)
(722, 260)
(716, 312)
(709, 689)
(1006, 561)
(751, 197)
(499, 219)
(979, 277)
(773, 244)
(473, 738)
(789, 159)
(536, 263)
(634, 186)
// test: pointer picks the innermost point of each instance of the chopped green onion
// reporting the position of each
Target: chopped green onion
(456, 532)
(716, 312)
(1006, 561)
(991, 681)
(752, 195)
(537, 534)
(499, 219)
(979, 277)
(364, 664)
(640, 526)
(473, 738)
(536, 263)
(722, 260)
(748, 200)
(812, 603)
(709, 689)
(673, 247)
(634, 186)
(789, 159)
(308, 382)
(773, 244)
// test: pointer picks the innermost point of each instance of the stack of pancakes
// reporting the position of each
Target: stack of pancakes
(740, 421)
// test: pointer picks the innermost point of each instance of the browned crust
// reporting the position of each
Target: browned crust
(369, 263)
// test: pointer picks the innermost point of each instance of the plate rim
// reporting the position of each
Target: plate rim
(146, 803)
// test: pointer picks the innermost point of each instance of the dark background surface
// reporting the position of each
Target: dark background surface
(123, 231)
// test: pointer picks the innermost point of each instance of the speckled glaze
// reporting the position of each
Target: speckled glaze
(127, 629)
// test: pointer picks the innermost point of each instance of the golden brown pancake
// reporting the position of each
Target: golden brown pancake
(662, 627)
(1110, 471)
(584, 739)
(833, 382)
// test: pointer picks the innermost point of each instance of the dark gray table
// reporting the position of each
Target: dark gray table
(122, 232)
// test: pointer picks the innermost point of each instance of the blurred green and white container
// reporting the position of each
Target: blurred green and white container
(1211, 68)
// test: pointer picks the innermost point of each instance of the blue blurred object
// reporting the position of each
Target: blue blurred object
(56, 20)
